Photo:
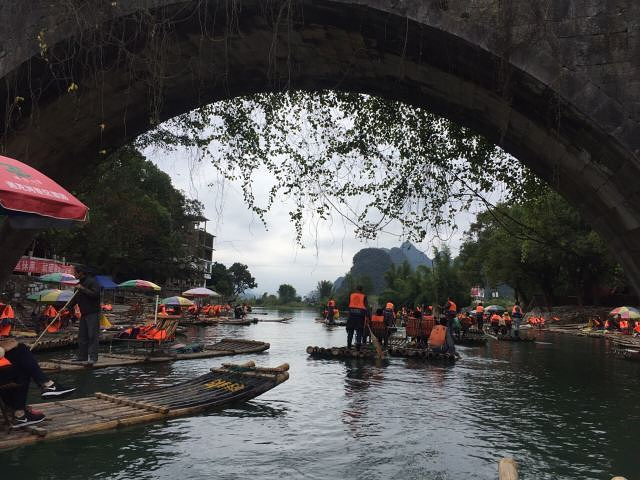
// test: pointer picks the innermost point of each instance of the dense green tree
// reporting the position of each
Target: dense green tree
(137, 222)
(324, 290)
(540, 245)
(221, 280)
(287, 294)
(241, 278)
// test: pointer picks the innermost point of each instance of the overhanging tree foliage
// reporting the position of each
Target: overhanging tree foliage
(371, 160)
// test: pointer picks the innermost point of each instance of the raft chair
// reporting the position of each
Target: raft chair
(157, 335)
(419, 329)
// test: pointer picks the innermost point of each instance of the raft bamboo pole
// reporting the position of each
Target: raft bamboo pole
(508, 469)
(33, 345)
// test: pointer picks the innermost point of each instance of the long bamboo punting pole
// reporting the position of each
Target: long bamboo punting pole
(54, 319)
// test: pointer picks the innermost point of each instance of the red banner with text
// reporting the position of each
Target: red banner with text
(40, 266)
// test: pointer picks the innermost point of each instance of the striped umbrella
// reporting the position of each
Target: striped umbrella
(51, 296)
(58, 277)
(625, 312)
(200, 292)
(140, 285)
(181, 301)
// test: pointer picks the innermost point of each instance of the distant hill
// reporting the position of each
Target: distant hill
(408, 252)
(373, 263)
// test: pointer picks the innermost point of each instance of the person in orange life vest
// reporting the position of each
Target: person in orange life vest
(495, 323)
(465, 324)
(19, 366)
(636, 329)
(358, 311)
(379, 327)
(608, 325)
(331, 305)
(451, 310)
(87, 297)
(440, 339)
(624, 327)
(6, 319)
(517, 314)
(507, 322)
(480, 316)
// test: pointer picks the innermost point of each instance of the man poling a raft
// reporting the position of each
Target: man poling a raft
(358, 311)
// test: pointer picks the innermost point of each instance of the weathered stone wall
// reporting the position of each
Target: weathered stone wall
(555, 83)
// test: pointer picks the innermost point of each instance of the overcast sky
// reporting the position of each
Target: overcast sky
(272, 255)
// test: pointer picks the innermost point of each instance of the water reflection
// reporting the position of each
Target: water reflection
(562, 406)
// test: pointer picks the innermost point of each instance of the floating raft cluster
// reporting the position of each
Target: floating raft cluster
(205, 321)
(220, 387)
(224, 347)
(510, 338)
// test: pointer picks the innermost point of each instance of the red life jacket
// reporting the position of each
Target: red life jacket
(5, 328)
(479, 309)
(438, 336)
(55, 326)
(637, 327)
(451, 306)
(495, 318)
(377, 320)
(4, 362)
(7, 312)
(356, 300)
(331, 303)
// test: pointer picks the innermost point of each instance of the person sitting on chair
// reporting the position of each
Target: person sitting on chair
(18, 366)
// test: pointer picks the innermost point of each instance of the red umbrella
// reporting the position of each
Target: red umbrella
(33, 200)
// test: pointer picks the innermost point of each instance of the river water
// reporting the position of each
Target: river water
(563, 407)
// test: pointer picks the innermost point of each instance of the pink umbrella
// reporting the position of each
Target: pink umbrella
(200, 293)
(32, 200)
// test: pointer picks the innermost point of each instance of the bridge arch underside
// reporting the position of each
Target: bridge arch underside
(202, 56)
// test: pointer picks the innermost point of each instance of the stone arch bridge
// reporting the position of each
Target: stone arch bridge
(556, 83)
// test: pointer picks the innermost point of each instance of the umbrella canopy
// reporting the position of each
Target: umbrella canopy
(33, 200)
(52, 296)
(625, 312)
(140, 285)
(200, 292)
(58, 277)
(495, 308)
(181, 301)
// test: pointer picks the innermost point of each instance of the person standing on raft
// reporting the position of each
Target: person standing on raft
(87, 298)
(358, 311)
(516, 315)
(331, 308)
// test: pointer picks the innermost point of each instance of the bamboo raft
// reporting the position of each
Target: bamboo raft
(221, 387)
(206, 321)
(627, 348)
(51, 342)
(471, 340)
(225, 347)
(401, 347)
(341, 322)
(274, 320)
(341, 353)
(509, 338)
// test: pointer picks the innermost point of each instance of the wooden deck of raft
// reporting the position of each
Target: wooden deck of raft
(225, 347)
(222, 386)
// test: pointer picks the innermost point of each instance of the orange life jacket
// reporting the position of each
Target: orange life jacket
(452, 306)
(331, 303)
(5, 329)
(4, 362)
(55, 326)
(516, 309)
(624, 325)
(50, 311)
(76, 311)
(389, 306)
(7, 312)
(438, 335)
(495, 318)
(637, 327)
(193, 309)
(479, 309)
(356, 300)
(217, 310)
(377, 319)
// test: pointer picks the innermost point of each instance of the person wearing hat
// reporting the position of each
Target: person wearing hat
(87, 298)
